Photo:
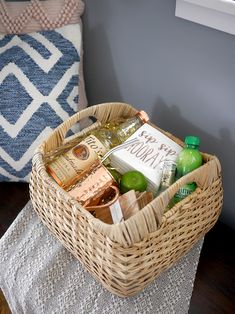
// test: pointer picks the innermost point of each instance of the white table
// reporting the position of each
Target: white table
(38, 275)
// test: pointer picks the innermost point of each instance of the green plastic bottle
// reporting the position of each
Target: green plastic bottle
(188, 160)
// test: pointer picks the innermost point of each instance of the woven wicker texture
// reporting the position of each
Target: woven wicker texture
(125, 257)
(20, 17)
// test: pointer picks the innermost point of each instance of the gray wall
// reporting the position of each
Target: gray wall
(181, 73)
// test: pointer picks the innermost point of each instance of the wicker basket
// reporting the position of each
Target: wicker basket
(125, 257)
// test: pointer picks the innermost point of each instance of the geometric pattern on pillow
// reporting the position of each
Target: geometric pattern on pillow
(39, 78)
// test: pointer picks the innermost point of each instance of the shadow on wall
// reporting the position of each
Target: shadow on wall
(105, 87)
(170, 118)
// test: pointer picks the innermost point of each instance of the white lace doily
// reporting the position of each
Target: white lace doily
(38, 275)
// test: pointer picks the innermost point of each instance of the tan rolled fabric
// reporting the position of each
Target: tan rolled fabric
(28, 17)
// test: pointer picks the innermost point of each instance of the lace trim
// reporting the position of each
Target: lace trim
(37, 16)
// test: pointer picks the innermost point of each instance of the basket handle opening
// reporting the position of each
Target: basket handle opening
(203, 176)
(102, 112)
(81, 126)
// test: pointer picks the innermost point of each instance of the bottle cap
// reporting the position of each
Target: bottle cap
(143, 116)
(192, 140)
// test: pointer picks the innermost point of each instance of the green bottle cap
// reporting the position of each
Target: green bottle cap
(192, 140)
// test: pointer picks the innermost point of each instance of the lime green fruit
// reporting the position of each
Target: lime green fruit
(133, 180)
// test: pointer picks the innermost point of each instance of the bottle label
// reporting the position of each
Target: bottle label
(185, 190)
(73, 162)
(168, 174)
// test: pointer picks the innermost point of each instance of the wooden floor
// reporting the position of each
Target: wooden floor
(214, 290)
(4, 309)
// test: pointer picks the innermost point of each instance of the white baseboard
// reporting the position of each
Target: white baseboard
(218, 14)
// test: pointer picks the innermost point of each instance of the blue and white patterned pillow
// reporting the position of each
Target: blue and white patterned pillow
(39, 89)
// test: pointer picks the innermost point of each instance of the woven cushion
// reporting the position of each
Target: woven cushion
(40, 76)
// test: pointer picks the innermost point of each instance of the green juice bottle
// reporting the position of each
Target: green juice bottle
(188, 160)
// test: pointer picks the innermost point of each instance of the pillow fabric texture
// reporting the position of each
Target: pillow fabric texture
(41, 79)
